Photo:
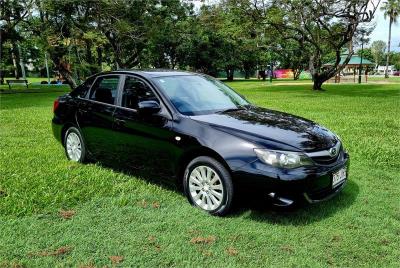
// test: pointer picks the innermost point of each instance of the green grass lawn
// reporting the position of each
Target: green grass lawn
(35, 87)
(382, 78)
(57, 213)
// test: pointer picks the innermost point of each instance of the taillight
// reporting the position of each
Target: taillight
(55, 105)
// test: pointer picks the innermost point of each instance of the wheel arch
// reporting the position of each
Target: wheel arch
(64, 130)
(189, 155)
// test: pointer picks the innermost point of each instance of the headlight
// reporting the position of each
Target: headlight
(283, 158)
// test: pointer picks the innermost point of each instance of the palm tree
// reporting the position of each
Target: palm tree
(391, 9)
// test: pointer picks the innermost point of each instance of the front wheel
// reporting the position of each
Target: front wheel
(208, 185)
(74, 146)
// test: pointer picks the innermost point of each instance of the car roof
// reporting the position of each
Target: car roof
(150, 73)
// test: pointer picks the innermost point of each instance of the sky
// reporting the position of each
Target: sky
(381, 31)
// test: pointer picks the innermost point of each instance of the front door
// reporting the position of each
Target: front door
(95, 116)
(145, 141)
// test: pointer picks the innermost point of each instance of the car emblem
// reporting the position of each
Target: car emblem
(333, 151)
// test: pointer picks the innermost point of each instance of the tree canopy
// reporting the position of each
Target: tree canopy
(82, 37)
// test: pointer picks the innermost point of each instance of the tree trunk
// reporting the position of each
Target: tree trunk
(66, 74)
(318, 84)
(318, 80)
(89, 57)
(15, 59)
(229, 74)
(1, 57)
(390, 37)
(64, 69)
(319, 76)
(100, 58)
(246, 74)
(296, 74)
(116, 49)
(247, 69)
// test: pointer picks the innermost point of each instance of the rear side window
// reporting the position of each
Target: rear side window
(82, 90)
(135, 91)
(105, 89)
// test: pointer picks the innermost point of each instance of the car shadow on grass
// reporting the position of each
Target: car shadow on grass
(256, 206)
(261, 209)
(148, 175)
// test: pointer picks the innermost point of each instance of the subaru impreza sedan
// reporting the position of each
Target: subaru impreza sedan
(211, 138)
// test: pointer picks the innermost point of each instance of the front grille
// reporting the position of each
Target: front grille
(324, 193)
(327, 159)
(321, 194)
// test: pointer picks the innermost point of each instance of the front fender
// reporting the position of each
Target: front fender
(235, 151)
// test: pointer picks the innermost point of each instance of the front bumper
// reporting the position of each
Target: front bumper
(313, 183)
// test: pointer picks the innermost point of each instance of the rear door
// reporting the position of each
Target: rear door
(143, 141)
(95, 116)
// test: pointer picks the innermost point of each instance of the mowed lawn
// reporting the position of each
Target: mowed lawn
(57, 213)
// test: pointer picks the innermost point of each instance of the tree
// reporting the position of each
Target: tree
(293, 55)
(245, 33)
(395, 59)
(221, 24)
(203, 47)
(231, 40)
(378, 51)
(57, 30)
(391, 9)
(13, 14)
(123, 23)
(366, 53)
(326, 27)
(168, 30)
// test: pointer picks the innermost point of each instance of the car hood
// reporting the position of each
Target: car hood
(258, 124)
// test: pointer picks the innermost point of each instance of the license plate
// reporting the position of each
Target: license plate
(338, 177)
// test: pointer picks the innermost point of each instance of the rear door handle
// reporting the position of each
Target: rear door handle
(84, 107)
(120, 122)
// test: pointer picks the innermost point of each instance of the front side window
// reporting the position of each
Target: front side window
(105, 89)
(194, 94)
(135, 91)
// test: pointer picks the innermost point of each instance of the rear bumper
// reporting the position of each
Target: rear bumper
(313, 183)
(57, 129)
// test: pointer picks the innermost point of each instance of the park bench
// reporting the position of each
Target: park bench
(17, 81)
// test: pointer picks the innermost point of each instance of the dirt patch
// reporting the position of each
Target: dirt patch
(46, 253)
(66, 214)
(203, 240)
(232, 251)
(116, 259)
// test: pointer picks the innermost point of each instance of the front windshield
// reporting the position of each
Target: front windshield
(195, 94)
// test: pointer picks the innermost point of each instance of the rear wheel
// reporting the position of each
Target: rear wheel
(74, 146)
(208, 185)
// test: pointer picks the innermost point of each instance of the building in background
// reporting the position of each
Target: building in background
(381, 70)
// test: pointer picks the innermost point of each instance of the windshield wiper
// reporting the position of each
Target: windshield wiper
(240, 107)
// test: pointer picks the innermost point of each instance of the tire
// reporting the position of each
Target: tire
(208, 185)
(73, 141)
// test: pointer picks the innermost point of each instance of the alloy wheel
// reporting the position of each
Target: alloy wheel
(74, 146)
(206, 188)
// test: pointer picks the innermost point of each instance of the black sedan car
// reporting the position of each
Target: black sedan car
(202, 131)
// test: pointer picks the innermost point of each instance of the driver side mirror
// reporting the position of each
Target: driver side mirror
(149, 107)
